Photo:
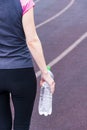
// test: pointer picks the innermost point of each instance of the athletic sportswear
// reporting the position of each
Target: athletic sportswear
(21, 83)
(26, 5)
(14, 52)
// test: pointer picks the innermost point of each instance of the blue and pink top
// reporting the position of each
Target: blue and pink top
(14, 52)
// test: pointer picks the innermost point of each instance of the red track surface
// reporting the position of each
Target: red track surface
(70, 98)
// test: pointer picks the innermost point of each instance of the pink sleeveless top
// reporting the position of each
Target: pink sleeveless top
(26, 5)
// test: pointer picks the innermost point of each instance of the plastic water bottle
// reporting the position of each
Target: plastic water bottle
(45, 100)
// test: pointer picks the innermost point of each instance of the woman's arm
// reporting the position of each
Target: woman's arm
(35, 47)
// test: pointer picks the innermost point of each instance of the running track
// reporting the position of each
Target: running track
(62, 28)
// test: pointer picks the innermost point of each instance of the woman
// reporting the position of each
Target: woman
(18, 38)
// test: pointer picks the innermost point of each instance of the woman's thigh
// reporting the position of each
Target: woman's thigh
(5, 111)
(23, 92)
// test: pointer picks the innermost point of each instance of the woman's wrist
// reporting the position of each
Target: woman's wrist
(45, 72)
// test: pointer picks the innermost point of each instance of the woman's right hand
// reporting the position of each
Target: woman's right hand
(46, 77)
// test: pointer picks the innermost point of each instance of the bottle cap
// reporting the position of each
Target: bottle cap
(48, 68)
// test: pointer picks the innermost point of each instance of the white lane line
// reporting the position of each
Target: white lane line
(56, 15)
(66, 52)
(37, 1)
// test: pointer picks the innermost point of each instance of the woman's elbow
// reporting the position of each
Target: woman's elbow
(31, 41)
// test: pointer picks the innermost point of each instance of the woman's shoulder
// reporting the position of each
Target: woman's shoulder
(26, 5)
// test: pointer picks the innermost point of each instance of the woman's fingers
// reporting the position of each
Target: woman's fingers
(50, 81)
(53, 87)
(41, 82)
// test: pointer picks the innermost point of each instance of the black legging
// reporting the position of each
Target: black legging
(21, 83)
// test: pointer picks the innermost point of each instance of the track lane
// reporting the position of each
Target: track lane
(69, 105)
